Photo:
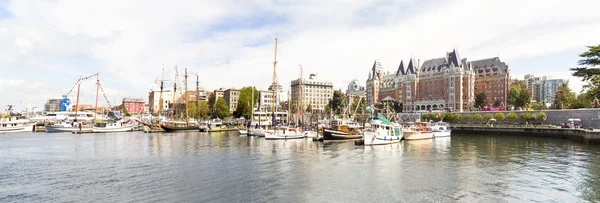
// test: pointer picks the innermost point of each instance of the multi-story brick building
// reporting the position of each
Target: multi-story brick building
(134, 105)
(445, 83)
(492, 78)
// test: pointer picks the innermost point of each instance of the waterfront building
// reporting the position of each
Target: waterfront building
(52, 105)
(154, 100)
(82, 106)
(407, 82)
(279, 92)
(219, 93)
(265, 117)
(355, 89)
(134, 105)
(446, 82)
(530, 81)
(231, 96)
(546, 88)
(492, 76)
(313, 91)
(373, 83)
(265, 100)
(191, 96)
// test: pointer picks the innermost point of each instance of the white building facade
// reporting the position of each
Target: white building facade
(312, 91)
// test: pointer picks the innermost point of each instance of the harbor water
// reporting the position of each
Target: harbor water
(227, 167)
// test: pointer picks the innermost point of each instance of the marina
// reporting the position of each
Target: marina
(137, 166)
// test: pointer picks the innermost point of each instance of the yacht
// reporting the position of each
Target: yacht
(10, 125)
(113, 126)
(67, 116)
(440, 129)
(65, 127)
(218, 126)
(417, 131)
(286, 133)
(382, 132)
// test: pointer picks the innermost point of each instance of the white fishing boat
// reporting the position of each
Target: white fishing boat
(416, 131)
(110, 126)
(440, 129)
(286, 133)
(65, 127)
(382, 132)
(16, 125)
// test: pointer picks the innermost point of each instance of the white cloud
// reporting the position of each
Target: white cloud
(339, 40)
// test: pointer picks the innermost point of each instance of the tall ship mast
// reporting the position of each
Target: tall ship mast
(175, 125)
(275, 86)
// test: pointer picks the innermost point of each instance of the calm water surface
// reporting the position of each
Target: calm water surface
(199, 167)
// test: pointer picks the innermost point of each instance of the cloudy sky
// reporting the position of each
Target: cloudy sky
(46, 45)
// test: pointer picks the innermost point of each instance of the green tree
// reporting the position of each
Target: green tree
(203, 109)
(499, 116)
(425, 116)
(590, 73)
(468, 117)
(245, 102)
(309, 108)
(477, 117)
(582, 101)
(448, 117)
(294, 106)
(221, 108)
(518, 95)
(488, 116)
(512, 116)
(211, 100)
(541, 116)
(527, 116)
(480, 100)
(336, 103)
(192, 110)
(590, 58)
(457, 116)
(563, 97)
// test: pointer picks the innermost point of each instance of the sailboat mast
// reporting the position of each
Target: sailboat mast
(197, 95)
(77, 100)
(275, 86)
(174, 92)
(160, 100)
(186, 97)
(96, 106)
(274, 78)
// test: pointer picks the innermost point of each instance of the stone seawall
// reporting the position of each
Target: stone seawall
(581, 135)
(589, 117)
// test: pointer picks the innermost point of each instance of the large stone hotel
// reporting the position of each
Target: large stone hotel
(445, 83)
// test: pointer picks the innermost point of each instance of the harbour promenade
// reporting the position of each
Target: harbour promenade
(552, 131)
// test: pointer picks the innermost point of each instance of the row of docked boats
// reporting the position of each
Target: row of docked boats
(381, 131)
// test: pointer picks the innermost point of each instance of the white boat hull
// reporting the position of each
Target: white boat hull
(283, 136)
(17, 129)
(258, 132)
(417, 135)
(243, 132)
(372, 138)
(60, 129)
(112, 129)
(441, 133)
